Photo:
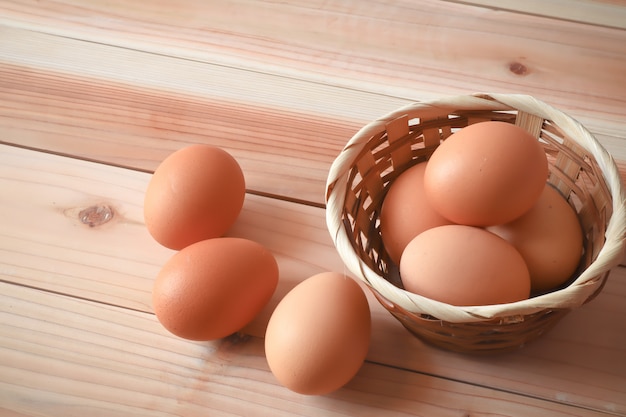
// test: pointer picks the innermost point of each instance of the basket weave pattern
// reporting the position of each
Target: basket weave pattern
(580, 168)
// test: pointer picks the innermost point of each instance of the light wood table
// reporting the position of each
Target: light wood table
(94, 94)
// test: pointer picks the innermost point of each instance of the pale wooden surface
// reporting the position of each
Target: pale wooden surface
(94, 94)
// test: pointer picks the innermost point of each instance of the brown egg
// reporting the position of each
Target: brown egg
(464, 266)
(486, 174)
(550, 239)
(196, 193)
(406, 212)
(318, 335)
(214, 287)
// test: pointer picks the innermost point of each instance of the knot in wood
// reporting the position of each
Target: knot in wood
(96, 215)
(518, 68)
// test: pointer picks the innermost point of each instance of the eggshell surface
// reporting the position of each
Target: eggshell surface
(464, 266)
(485, 174)
(214, 287)
(550, 239)
(196, 193)
(406, 212)
(318, 335)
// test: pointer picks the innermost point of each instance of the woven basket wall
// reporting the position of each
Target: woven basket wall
(580, 168)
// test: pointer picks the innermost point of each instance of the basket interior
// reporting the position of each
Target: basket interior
(405, 142)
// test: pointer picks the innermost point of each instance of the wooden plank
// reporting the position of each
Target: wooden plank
(285, 147)
(116, 262)
(594, 12)
(55, 95)
(72, 58)
(308, 37)
(104, 360)
(46, 244)
(414, 50)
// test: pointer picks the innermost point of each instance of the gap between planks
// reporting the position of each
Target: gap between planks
(259, 193)
(610, 14)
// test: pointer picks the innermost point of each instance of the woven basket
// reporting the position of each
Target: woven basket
(580, 168)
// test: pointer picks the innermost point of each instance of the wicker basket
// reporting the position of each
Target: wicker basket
(579, 167)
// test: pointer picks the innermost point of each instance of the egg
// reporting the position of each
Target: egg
(406, 212)
(212, 288)
(485, 174)
(196, 193)
(549, 238)
(318, 335)
(464, 266)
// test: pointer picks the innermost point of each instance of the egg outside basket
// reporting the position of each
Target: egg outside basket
(580, 168)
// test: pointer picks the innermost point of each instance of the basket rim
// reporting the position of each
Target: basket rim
(569, 297)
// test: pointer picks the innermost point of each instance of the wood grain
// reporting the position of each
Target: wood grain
(116, 262)
(103, 360)
(369, 44)
(55, 96)
(46, 246)
(94, 94)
